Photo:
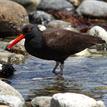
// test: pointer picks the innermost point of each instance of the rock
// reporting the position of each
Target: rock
(12, 16)
(55, 4)
(75, 2)
(42, 101)
(18, 48)
(16, 59)
(85, 52)
(6, 70)
(42, 27)
(74, 100)
(98, 31)
(10, 96)
(61, 24)
(4, 106)
(7, 57)
(30, 5)
(40, 17)
(93, 8)
(16, 55)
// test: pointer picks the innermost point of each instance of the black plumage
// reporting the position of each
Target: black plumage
(56, 44)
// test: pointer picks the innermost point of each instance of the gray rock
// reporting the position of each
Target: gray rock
(42, 101)
(41, 17)
(61, 24)
(10, 96)
(7, 57)
(93, 8)
(74, 100)
(55, 4)
(15, 56)
(12, 16)
(30, 5)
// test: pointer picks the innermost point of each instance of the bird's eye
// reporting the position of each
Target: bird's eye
(27, 29)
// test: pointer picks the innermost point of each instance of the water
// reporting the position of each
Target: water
(81, 75)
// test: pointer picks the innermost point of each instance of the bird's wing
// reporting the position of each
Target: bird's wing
(68, 41)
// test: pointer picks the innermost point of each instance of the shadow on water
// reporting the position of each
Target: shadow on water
(81, 75)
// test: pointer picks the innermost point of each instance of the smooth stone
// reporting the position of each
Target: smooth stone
(98, 31)
(55, 4)
(93, 8)
(42, 101)
(12, 16)
(61, 24)
(74, 100)
(30, 5)
(10, 96)
(40, 17)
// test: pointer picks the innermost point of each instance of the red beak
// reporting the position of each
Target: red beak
(15, 41)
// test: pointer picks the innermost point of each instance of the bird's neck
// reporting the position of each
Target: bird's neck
(34, 38)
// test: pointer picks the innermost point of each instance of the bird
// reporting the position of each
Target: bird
(54, 44)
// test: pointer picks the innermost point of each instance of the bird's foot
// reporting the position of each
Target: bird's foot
(59, 76)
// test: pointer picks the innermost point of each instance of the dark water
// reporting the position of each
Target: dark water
(81, 75)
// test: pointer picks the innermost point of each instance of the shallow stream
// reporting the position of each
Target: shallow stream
(81, 75)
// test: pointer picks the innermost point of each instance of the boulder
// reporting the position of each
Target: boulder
(30, 5)
(93, 8)
(10, 96)
(42, 101)
(12, 17)
(55, 4)
(40, 17)
(61, 24)
(74, 100)
(99, 32)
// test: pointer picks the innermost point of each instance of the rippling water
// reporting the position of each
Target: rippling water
(81, 75)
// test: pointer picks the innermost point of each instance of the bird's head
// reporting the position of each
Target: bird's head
(26, 29)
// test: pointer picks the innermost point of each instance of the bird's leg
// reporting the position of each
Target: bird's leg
(54, 70)
(61, 68)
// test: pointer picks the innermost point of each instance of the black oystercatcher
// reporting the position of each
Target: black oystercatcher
(54, 44)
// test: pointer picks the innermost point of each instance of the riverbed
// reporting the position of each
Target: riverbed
(86, 75)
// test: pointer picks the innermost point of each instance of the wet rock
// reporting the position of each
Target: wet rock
(30, 5)
(16, 55)
(16, 59)
(42, 101)
(12, 16)
(40, 17)
(55, 4)
(7, 57)
(61, 24)
(74, 100)
(18, 48)
(10, 96)
(6, 70)
(93, 8)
